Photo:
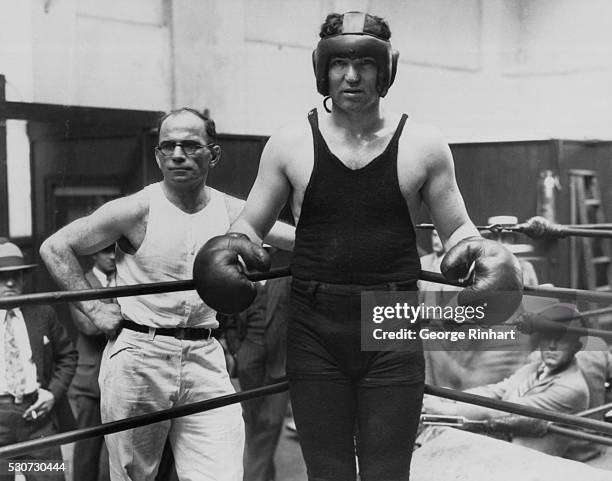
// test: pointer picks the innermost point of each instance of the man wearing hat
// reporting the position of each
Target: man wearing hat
(554, 382)
(37, 363)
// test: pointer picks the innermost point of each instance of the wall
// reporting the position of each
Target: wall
(481, 71)
(79, 52)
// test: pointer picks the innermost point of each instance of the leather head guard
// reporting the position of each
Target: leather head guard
(353, 42)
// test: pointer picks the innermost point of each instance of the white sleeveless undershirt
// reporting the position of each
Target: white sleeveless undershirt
(171, 242)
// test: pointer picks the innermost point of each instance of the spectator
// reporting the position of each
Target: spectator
(37, 363)
(90, 455)
(554, 383)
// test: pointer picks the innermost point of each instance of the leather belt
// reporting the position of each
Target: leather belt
(188, 333)
(26, 399)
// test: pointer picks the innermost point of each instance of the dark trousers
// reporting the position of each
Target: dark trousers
(346, 401)
(90, 455)
(14, 429)
(263, 416)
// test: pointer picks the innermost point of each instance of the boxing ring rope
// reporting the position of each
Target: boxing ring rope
(521, 410)
(121, 291)
(537, 291)
(552, 428)
(596, 409)
(173, 286)
(140, 420)
(541, 228)
(166, 414)
(186, 285)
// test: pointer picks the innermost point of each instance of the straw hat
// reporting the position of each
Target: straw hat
(11, 257)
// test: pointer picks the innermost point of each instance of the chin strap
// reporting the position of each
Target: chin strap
(325, 104)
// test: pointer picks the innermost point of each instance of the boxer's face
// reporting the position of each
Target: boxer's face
(352, 82)
(180, 167)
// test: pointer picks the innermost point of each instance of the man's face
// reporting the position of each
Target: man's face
(11, 283)
(178, 167)
(557, 352)
(105, 261)
(352, 82)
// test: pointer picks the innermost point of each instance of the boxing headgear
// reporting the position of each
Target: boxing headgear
(353, 42)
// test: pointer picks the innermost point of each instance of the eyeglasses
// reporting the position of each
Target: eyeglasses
(189, 147)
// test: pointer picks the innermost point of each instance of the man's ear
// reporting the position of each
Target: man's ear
(216, 151)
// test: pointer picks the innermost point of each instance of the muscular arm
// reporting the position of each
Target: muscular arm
(281, 235)
(85, 236)
(442, 197)
(267, 198)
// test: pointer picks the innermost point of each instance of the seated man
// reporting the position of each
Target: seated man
(553, 383)
(595, 364)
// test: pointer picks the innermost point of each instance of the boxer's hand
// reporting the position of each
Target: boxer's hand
(219, 276)
(105, 316)
(497, 278)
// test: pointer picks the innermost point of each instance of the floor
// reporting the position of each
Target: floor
(290, 464)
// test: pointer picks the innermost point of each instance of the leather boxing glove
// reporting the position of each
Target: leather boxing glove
(219, 276)
(496, 281)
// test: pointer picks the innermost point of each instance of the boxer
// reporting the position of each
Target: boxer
(355, 177)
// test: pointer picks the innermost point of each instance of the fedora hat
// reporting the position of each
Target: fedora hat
(11, 257)
(563, 315)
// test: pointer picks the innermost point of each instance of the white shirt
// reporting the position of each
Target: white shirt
(103, 278)
(171, 243)
(25, 351)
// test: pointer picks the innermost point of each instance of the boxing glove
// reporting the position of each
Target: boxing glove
(496, 282)
(219, 276)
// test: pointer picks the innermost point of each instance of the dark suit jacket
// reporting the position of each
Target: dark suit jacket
(90, 347)
(55, 358)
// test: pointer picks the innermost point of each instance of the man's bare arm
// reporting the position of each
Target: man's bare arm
(83, 237)
(267, 198)
(281, 235)
(442, 197)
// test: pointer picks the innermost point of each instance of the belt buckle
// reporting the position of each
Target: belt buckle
(180, 333)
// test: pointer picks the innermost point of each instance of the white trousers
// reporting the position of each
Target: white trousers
(142, 374)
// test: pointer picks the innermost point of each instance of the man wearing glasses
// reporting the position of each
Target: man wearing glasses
(163, 355)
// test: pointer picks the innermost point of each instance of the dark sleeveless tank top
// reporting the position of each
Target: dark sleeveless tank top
(354, 227)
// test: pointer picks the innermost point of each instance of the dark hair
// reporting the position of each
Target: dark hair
(373, 25)
(209, 124)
